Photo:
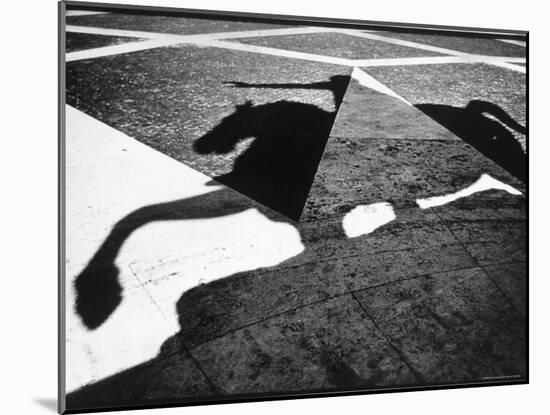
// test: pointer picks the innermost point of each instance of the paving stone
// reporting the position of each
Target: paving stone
(337, 45)
(207, 311)
(411, 229)
(452, 327)
(327, 346)
(331, 264)
(511, 278)
(210, 310)
(174, 379)
(354, 273)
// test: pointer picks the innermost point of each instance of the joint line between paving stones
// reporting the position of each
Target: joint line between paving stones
(401, 355)
(180, 340)
(331, 258)
(328, 298)
(482, 267)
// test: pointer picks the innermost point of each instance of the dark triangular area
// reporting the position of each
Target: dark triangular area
(278, 168)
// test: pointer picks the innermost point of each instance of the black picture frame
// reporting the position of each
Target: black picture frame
(260, 18)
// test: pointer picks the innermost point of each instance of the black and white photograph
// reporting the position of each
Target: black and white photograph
(259, 207)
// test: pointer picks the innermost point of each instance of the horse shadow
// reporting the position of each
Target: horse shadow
(276, 171)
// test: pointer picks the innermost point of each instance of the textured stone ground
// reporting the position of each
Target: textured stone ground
(437, 295)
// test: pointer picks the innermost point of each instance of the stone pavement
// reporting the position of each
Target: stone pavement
(374, 247)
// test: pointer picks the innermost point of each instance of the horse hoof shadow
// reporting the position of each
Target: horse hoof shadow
(98, 294)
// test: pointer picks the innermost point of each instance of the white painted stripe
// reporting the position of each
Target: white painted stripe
(266, 32)
(423, 60)
(119, 49)
(82, 13)
(369, 82)
(517, 68)
(485, 182)
(514, 42)
(117, 32)
(277, 52)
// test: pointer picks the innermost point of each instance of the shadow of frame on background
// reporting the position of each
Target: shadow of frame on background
(259, 207)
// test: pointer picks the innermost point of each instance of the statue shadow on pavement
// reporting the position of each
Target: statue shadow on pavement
(276, 171)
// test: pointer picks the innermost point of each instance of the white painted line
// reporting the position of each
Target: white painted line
(513, 42)
(365, 219)
(437, 60)
(277, 52)
(507, 65)
(196, 37)
(119, 49)
(266, 33)
(110, 175)
(485, 182)
(82, 13)
(369, 82)
(422, 60)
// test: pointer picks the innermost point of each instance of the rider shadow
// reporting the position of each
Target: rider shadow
(276, 171)
(490, 136)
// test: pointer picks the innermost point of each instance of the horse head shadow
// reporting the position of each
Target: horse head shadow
(275, 172)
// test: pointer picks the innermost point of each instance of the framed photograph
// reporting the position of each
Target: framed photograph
(258, 207)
